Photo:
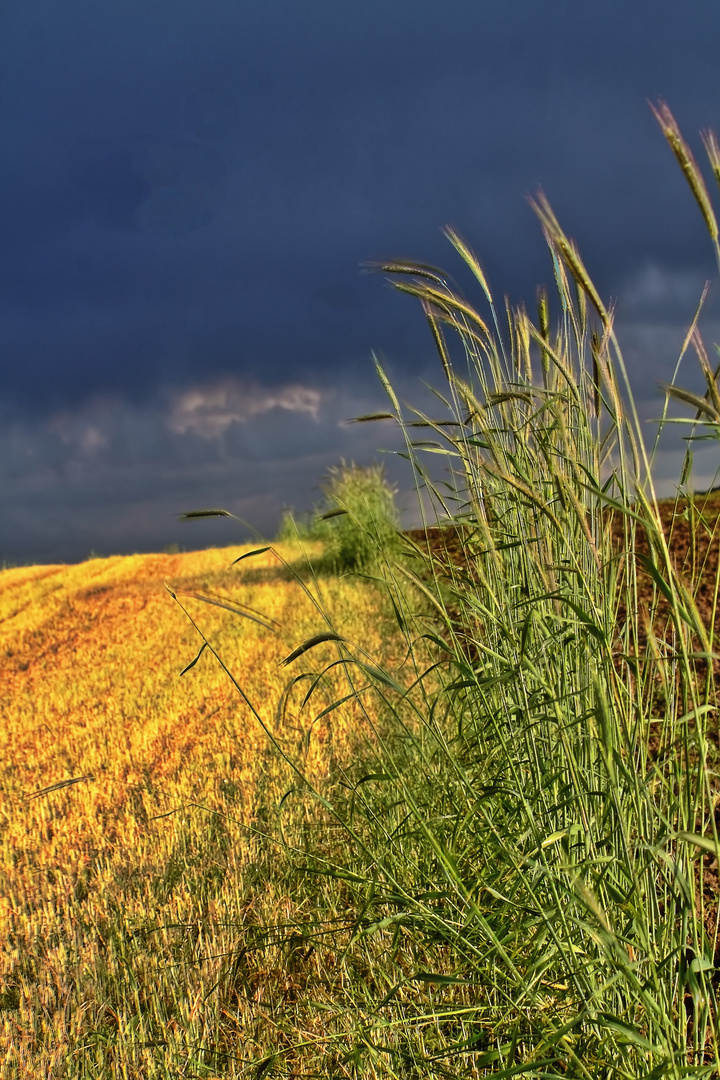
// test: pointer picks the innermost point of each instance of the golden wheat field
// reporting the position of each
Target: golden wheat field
(124, 895)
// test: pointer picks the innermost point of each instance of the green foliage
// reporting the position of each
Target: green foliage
(294, 527)
(357, 522)
(519, 873)
(523, 844)
(364, 525)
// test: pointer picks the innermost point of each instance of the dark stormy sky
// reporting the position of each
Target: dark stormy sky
(187, 193)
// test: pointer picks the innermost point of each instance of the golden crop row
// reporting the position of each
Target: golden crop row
(91, 658)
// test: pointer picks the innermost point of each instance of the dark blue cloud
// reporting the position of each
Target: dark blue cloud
(143, 184)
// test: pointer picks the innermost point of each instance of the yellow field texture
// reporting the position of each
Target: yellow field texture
(120, 898)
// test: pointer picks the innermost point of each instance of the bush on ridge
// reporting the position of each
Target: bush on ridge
(357, 520)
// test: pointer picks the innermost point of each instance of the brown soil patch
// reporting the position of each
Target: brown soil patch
(693, 537)
(692, 533)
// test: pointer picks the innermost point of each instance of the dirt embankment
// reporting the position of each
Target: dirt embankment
(692, 533)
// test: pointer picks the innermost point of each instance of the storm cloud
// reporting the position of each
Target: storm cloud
(189, 193)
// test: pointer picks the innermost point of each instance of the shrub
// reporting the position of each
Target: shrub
(357, 521)
(294, 527)
(360, 521)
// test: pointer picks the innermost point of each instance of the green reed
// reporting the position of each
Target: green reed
(527, 842)
(516, 873)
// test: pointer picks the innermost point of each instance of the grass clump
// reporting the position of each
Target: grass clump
(527, 849)
(361, 517)
(357, 521)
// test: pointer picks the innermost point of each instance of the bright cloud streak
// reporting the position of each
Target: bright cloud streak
(208, 411)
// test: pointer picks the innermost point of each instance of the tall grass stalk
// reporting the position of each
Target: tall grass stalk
(526, 845)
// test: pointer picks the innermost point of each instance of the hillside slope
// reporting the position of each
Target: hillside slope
(91, 659)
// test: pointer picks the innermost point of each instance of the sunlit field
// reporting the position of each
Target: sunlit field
(124, 894)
